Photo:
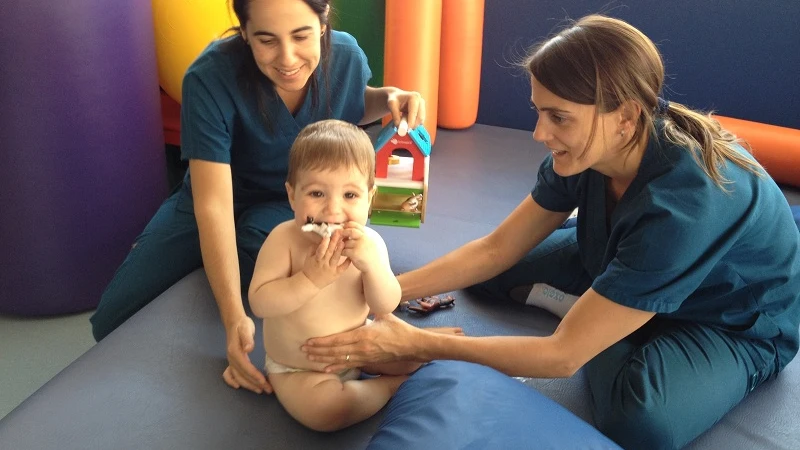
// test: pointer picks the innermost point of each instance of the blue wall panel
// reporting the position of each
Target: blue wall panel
(740, 58)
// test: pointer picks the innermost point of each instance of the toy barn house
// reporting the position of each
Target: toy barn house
(401, 177)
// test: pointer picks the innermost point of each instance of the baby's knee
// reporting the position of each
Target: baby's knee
(323, 407)
(326, 417)
(324, 424)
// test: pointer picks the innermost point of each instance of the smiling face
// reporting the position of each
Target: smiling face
(566, 128)
(284, 36)
(333, 196)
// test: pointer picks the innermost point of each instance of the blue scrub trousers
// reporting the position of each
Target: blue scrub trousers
(663, 385)
(169, 249)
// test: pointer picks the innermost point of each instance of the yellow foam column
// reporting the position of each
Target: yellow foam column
(183, 28)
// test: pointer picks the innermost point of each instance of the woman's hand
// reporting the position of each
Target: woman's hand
(408, 104)
(399, 103)
(240, 371)
(386, 339)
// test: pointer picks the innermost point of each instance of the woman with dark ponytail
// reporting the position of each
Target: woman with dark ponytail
(245, 99)
(680, 286)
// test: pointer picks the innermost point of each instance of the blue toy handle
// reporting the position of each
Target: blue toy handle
(421, 133)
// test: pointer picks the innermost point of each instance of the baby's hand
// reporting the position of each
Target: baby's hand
(322, 265)
(360, 248)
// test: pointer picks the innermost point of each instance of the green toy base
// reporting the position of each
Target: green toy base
(395, 218)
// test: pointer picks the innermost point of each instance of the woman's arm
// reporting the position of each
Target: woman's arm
(592, 325)
(477, 261)
(212, 191)
(381, 101)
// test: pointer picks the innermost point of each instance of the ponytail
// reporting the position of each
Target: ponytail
(710, 144)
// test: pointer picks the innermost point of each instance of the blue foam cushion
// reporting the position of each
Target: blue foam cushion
(458, 405)
(796, 214)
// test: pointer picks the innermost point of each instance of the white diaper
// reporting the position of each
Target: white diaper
(275, 367)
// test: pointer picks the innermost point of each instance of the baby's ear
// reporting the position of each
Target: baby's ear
(290, 194)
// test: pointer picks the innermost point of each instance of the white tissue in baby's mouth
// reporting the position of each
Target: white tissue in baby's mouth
(323, 229)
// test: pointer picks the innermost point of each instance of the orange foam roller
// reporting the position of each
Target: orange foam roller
(776, 148)
(411, 51)
(460, 66)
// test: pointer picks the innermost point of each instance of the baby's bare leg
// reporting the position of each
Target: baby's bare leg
(322, 402)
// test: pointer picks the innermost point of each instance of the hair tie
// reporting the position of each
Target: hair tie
(663, 106)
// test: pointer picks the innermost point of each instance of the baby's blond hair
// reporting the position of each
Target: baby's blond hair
(329, 145)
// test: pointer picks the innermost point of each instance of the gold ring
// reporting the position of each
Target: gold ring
(348, 357)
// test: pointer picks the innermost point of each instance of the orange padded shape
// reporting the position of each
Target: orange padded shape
(411, 52)
(776, 148)
(460, 66)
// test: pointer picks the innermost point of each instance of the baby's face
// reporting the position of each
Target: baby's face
(332, 196)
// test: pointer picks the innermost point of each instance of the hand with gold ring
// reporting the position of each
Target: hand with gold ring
(387, 339)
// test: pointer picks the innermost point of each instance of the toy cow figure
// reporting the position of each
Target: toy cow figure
(427, 305)
(412, 204)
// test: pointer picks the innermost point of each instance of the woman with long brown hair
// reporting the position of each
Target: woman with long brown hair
(680, 286)
(245, 99)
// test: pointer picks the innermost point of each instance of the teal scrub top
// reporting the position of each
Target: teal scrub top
(678, 245)
(219, 123)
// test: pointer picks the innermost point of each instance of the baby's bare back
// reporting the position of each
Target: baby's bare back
(339, 307)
